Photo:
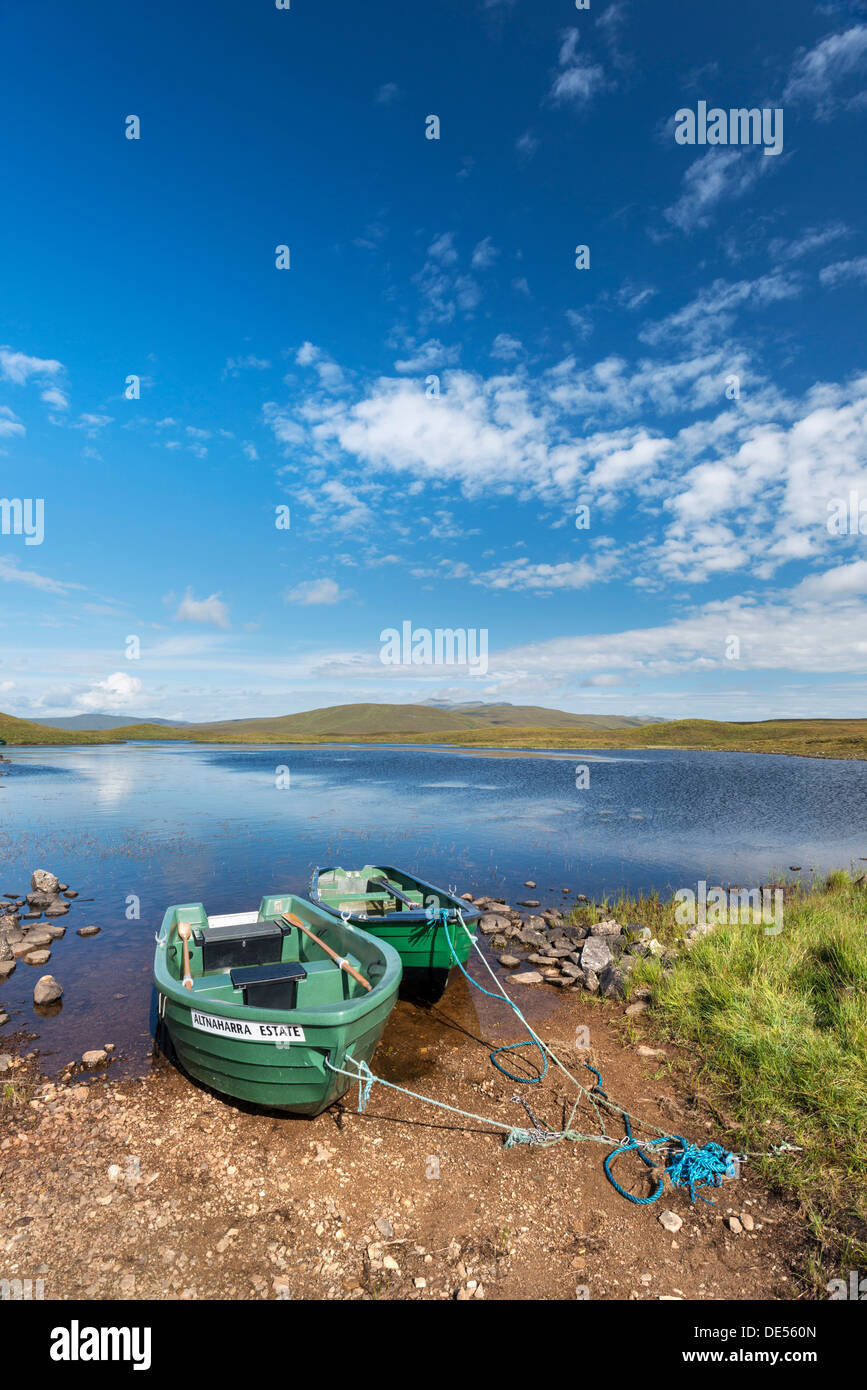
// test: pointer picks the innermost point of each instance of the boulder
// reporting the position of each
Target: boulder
(490, 924)
(44, 882)
(47, 990)
(595, 954)
(614, 979)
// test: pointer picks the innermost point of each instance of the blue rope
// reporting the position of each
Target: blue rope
(501, 998)
(695, 1166)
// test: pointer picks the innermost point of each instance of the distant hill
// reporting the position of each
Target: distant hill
(105, 721)
(480, 726)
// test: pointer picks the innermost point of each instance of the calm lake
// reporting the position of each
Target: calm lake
(140, 826)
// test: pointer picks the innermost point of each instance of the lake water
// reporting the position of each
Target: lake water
(163, 823)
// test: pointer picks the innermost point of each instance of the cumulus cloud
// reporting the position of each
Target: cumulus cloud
(117, 692)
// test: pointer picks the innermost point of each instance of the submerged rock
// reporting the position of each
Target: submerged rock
(526, 977)
(88, 931)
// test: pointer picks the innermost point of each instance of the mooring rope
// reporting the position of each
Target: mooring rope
(693, 1166)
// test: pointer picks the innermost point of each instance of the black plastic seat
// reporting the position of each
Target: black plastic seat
(255, 943)
(269, 986)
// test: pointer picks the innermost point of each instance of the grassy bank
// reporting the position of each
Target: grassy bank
(777, 1028)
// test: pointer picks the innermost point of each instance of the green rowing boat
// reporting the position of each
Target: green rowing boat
(407, 913)
(257, 1009)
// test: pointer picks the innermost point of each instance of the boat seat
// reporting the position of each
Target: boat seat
(269, 986)
(252, 943)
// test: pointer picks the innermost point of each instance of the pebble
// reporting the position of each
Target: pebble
(734, 1225)
(747, 1221)
(528, 902)
(88, 931)
(655, 1052)
(670, 1220)
(94, 1059)
(4, 1018)
(528, 883)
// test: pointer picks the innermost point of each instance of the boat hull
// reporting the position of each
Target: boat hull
(422, 944)
(223, 1046)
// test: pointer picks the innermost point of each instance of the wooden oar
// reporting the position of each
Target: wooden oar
(344, 964)
(184, 930)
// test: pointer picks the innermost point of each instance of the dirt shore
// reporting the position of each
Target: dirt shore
(154, 1188)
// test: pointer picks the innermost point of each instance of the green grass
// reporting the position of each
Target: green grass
(777, 1028)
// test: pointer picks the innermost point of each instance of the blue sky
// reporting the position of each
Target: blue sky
(708, 581)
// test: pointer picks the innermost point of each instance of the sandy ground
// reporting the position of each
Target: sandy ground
(154, 1188)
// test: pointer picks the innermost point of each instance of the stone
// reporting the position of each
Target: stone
(614, 978)
(41, 900)
(509, 962)
(5, 948)
(38, 958)
(526, 977)
(571, 971)
(530, 937)
(591, 982)
(38, 938)
(534, 923)
(6, 969)
(67, 892)
(5, 1061)
(528, 902)
(385, 1228)
(465, 897)
(607, 927)
(734, 1225)
(528, 883)
(59, 910)
(639, 1007)
(747, 1221)
(47, 990)
(595, 954)
(655, 1052)
(56, 933)
(4, 1018)
(44, 882)
(671, 1221)
(95, 1058)
(88, 931)
(491, 925)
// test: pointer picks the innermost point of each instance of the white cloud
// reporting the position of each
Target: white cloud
(843, 272)
(579, 79)
(117, 692)
(235, 365)
(205, 610)
(18, 367)
(12, 573)
(818, 72)
(428, 356)
(10, 425)
(316, 591)
(719, 175)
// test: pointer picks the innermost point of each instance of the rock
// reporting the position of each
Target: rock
(530, 937)
(389, 1262)
(38, 938)
(734, 1225)
(747, 1221)
(670, 1220)
(4, 1018)
(385, 1228)
(595, 954)
(55, 933)
(58, 910)
(535, 923)
(608, 927)
(528, 883)
(655, 1052)
(591, 982)
(5, 1061)
(47, 990)
(5, 948)
(8, 923)
(67, 892)
(526, 977)
(529, 902)
(491, 925)
(614, 978)
(94, 1059)
(465, 897)
(41, 900)
(44, 882)
(639, 1007)
(6, 969)
(509, 962)
(88, 931)
(38, 958)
